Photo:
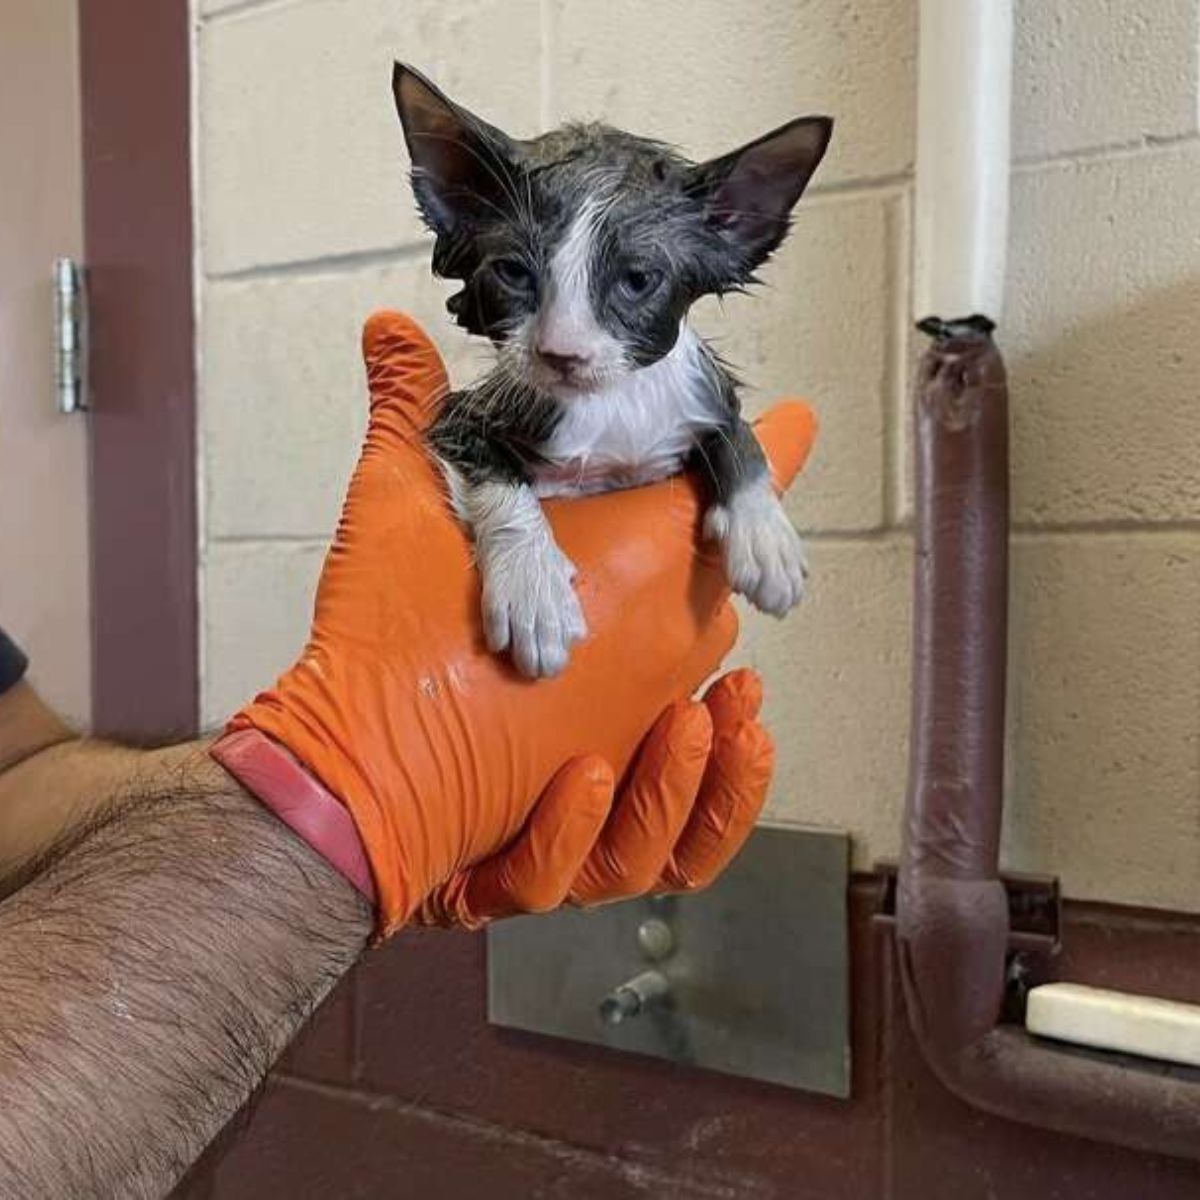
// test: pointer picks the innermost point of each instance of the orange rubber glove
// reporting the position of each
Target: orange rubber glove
(439, 749)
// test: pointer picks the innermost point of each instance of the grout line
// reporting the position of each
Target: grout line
(873, 185)
(244, 8)
(1022, 530)
(1137, 148)
(264, 541)
(851, 537)
(199, 448)
(641, 1174)
(858, 188)
(323, 264)
(546, 105)
(352, 986)
(901, 531)
(891, 1002)
(897, 253)
(260, 542)
(904, 366)
(888, 417)
(1028, 531)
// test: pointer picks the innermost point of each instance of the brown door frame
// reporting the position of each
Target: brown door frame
(136, 98)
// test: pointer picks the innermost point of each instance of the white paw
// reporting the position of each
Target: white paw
(764, 556)
(530, 607)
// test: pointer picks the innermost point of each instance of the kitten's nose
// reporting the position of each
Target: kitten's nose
(565, 365)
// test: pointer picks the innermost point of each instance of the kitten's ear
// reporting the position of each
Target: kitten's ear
(461, 165)
(749, 194)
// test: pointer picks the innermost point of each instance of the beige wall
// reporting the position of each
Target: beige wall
(43, 454)
(306, 225)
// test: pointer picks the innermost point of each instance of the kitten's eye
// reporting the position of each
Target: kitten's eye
(639, 282)
(514, 274)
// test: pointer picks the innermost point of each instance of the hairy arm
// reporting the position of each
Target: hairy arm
(27, 726)
(47, 797)
(149, 976)
(53, 782)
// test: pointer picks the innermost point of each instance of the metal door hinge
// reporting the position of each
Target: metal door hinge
(70, 336)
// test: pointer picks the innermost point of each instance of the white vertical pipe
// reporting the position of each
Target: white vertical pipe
(963, 114)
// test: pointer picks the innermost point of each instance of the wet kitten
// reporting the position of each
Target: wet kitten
(580, 253)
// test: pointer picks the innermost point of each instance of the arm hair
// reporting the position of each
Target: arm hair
(150, 974)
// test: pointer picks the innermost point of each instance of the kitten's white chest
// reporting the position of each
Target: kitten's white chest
(640, 430)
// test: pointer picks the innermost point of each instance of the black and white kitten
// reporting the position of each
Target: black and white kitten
(581, 252)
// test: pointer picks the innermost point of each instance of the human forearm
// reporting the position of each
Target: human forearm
(27, 725)
(51, 780)
(150, 976)
(51, 796)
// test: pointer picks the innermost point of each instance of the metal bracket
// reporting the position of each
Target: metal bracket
(70, 336)
(749, 977)
(1034, 909)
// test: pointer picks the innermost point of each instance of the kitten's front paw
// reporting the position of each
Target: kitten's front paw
(764, 556)
(530, 607)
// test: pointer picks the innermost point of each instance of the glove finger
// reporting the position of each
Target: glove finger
(736, 696)
(406, 377)
(731, 797)
(786, 432)
(535, 873)
(651, 810)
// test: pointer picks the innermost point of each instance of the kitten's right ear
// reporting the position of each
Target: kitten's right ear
(748, 195)
(461, 165)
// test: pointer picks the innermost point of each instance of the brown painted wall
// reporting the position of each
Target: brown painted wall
(400, 1088)
(138, 233)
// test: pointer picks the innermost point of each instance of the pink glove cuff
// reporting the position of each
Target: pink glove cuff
(299, 800)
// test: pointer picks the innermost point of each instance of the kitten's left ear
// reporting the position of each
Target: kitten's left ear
(461, 165)
(748, 195)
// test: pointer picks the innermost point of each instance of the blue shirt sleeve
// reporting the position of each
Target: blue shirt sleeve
(12, 663)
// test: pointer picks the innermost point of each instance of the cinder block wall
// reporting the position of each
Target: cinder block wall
(305, 225)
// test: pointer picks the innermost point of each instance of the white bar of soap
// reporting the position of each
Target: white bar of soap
(1143, 1025)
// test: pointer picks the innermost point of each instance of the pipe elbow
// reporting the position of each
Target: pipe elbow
(951, 939)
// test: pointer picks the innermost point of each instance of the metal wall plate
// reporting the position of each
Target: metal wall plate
(758, 975)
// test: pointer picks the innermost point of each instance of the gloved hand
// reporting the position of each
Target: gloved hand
(691, 800)
(439, 749)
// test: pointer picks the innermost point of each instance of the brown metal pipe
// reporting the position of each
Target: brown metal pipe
(951, 910)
